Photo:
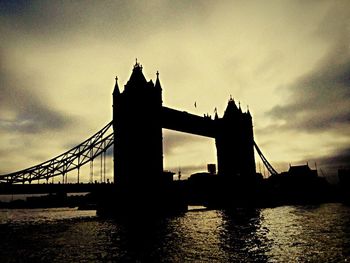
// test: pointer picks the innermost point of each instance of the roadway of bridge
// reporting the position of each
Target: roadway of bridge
(6, 189)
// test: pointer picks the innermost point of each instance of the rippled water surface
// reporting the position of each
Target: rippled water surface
(282, 234)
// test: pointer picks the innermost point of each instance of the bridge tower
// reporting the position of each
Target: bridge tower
(138, 148)
(235, 143)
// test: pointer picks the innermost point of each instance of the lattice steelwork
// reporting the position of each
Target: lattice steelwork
(73, 159)
(85, 152)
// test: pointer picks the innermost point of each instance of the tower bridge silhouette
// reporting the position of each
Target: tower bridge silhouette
(138, 119)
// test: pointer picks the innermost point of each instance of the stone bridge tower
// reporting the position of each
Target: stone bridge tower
(138, 148)
(235, 143)
(138, 119)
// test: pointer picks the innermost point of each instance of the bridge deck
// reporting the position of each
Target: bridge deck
(6, 189)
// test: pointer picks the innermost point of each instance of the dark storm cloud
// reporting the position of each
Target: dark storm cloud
(118, 20)
(51, 19)
(23, 110)
(339, 159)
(328, 166)
(320, 100)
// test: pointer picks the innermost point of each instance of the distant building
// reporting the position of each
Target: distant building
(211, 168)
(301, 171)
(168, 176)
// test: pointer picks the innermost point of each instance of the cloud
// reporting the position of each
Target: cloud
(338, 159)
(320, 100)
(319, 105)
(25, 111)
(129, 21)
(172, 141)
(61, 57)
(328, 166)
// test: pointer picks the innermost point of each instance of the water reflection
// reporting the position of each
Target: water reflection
(198, 236)
(191, 237)
(307, 233)
(42, 215)
(282, 234)
(242, 237)
(144, 241)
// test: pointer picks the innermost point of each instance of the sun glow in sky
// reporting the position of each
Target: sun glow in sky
(288, 60)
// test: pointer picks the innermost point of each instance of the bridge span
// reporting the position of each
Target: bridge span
(138, 119)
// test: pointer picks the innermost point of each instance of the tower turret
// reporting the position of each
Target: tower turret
(157, 85)
(116, 90)
(231, 109)
(137, 80)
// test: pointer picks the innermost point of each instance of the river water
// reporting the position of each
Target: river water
(282, 234)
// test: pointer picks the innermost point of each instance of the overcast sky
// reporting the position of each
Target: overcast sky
(288, 60)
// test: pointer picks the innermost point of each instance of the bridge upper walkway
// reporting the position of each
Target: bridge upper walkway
(186, 122)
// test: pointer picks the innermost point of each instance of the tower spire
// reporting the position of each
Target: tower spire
(216, 114)
(116, 90)
(248, 112)
(157, 85)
